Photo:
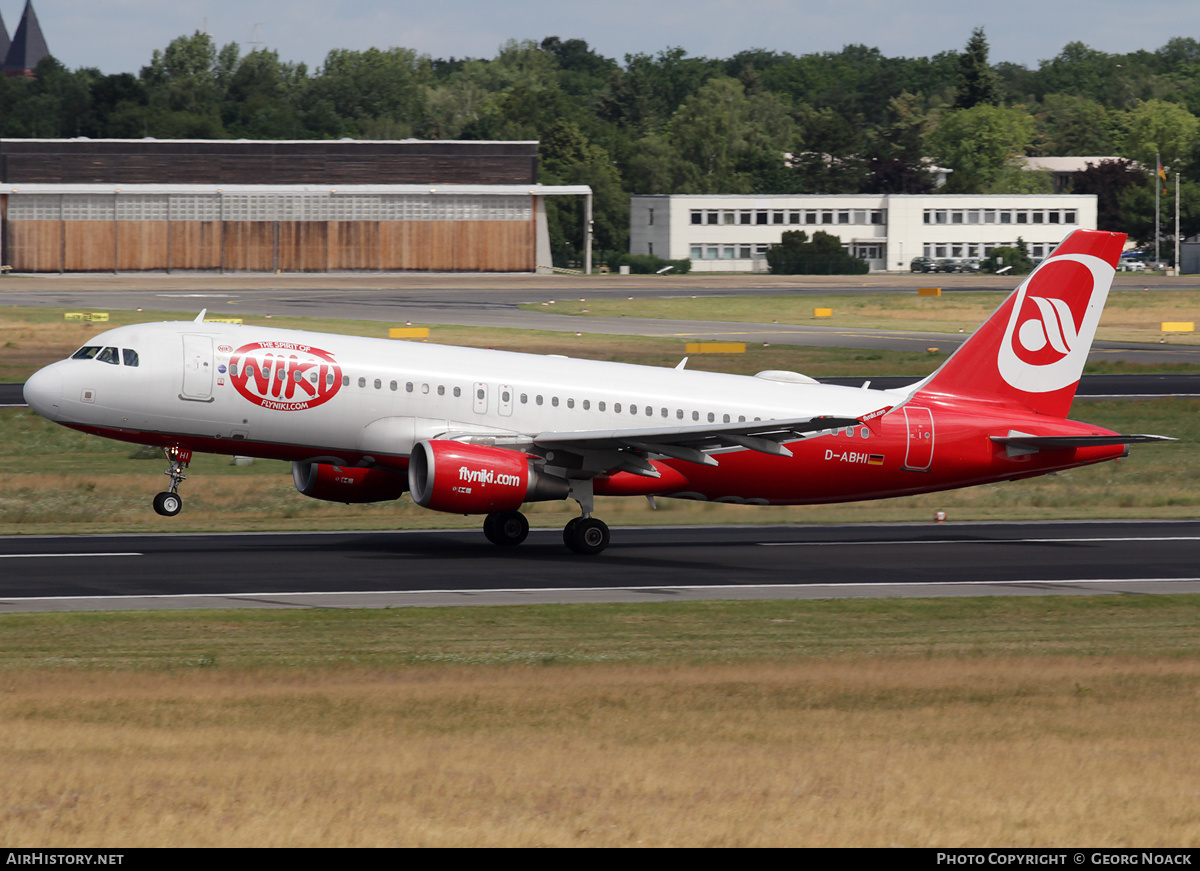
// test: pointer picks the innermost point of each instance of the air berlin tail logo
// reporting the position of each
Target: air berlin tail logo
(1053, 321)
(284, 376)
(1048, 331)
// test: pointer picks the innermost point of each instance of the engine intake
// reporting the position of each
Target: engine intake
(347, 484)
(475, 479)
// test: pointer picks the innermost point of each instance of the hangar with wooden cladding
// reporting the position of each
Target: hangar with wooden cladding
(216, 205)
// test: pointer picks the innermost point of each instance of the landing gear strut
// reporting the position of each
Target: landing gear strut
(506, 528)
(170, 503)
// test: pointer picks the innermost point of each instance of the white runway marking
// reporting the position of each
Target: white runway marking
(61, 555)
(973, 541)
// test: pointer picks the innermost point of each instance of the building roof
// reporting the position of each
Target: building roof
(28, 45)
(5, 42)
(312, 189)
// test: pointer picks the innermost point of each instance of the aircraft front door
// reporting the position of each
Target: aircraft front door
(919, 455)
(197, 368)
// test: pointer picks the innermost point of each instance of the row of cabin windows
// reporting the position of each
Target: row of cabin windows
(585, 404)
(539, 400)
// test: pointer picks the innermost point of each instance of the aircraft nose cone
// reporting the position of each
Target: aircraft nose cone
(43, 392)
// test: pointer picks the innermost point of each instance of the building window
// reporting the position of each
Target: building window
(697, 217)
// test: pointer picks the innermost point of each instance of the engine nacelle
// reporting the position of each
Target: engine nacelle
(347, 483)
(475, 479)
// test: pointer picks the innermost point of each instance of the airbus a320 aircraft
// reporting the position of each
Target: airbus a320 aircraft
(482, 432)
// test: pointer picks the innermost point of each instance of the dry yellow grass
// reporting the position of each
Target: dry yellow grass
(863, 752)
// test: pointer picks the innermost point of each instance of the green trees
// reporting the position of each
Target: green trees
(759, 122)
(977, 83)
(979, 145)
(824, 255)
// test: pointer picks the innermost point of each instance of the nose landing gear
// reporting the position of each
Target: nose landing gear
(170, 503)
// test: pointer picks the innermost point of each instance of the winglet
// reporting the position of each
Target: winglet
(200, 317)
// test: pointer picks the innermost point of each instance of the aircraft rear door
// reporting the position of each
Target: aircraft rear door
(919, 456)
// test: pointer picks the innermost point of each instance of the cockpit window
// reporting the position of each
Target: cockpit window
(130, 355)
(109, 355)
(86, 353)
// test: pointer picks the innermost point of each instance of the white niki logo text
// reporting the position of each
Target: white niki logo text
(1053, 332)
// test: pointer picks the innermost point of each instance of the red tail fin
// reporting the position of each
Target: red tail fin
(1033, 348)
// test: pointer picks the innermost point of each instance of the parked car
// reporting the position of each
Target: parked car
(971, 264)
(923, 264)
(1131, 265)
(947, 265)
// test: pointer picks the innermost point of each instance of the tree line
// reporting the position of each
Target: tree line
(759, 122)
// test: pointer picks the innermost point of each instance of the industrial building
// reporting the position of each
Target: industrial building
(305, 206)
(731, 233)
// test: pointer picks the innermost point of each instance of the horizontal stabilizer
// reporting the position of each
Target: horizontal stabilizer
(1079, 441)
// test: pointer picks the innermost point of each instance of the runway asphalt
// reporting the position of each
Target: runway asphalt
(643, 564)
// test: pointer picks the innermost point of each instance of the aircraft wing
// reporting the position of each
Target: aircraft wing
(602, 451)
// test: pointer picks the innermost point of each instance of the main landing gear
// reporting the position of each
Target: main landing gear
(583, 535)
(170, 503)
(586, 536)
(506, 528)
